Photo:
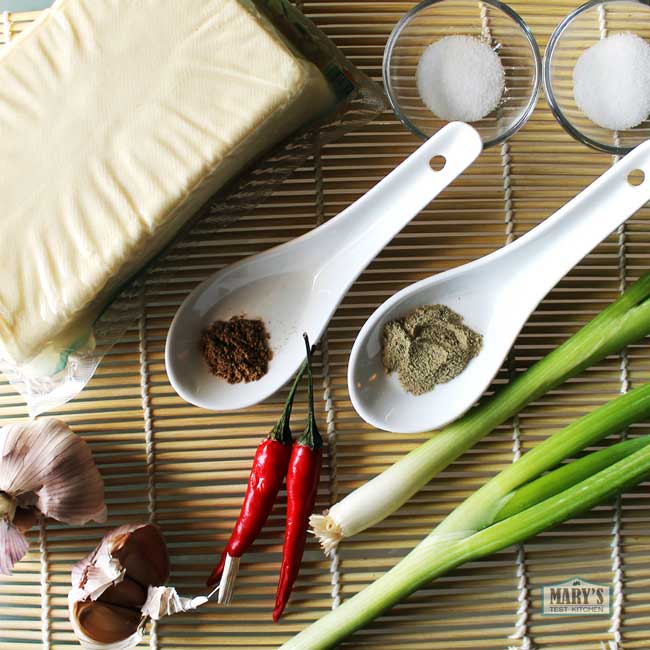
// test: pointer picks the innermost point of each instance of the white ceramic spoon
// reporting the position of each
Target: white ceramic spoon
(296, 287)
(495, 294)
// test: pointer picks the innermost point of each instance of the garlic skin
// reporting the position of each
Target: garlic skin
(44, 468)
(165, 601)
(13, 546)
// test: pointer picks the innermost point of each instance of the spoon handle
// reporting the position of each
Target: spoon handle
(353, 238)
(548, 252)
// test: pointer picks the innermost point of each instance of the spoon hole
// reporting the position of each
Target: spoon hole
(438, 163)
(636, 177)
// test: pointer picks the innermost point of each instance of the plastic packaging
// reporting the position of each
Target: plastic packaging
(359, 100)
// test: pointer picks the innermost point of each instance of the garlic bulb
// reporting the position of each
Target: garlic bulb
(44, 468)
(119, 586)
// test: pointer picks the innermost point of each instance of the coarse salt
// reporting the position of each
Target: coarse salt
(460, 78)
(611, 81)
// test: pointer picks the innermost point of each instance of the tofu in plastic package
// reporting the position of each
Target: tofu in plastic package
(126, 126)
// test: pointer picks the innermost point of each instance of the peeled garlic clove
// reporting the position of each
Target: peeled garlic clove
(143, 553)
(100, 626)
(127, 593)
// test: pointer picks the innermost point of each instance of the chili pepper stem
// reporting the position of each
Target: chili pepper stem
(228, 578)
(311, 435)
(281, 431)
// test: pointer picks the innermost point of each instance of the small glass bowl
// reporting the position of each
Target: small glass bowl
(578, 31)
(490, 20)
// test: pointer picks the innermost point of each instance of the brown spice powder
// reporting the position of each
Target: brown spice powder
(237, 350)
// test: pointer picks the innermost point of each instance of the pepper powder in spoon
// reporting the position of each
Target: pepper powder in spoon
(429, 346)
(237, 350)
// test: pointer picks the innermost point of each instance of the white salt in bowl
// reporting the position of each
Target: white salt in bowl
(580, 30)
(491, 21)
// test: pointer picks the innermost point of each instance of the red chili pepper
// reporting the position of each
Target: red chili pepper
(267, 474)
(302, 486)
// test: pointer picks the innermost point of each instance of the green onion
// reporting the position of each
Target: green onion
(625, 321)
(563, 478)
(608, 419)
(491, 519)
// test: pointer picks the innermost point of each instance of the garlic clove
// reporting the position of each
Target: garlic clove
(143, 553)
(118, 587)
(103, 625)
(104, 578)
(127, 593)
(46, 465)
(25, 518)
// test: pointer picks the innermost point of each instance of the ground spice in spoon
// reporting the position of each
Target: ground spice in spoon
(237, 350)
(429, 346)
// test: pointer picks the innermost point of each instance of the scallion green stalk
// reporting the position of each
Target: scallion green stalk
(623, 322)
(481, 508)
(564, 477)
(469, 532)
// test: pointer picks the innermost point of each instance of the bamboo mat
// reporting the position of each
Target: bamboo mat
(186, 468)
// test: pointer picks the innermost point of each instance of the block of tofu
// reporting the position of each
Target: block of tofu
(118, 120)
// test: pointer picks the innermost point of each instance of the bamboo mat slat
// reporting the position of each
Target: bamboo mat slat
(187, 467)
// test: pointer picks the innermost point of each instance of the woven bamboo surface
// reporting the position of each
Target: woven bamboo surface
(186, 468)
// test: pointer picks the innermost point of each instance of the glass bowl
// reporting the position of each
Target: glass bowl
(578, 31)
(491, 21)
